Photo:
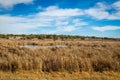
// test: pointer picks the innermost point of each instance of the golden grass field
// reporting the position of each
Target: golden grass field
(79, 60)
(33, 75)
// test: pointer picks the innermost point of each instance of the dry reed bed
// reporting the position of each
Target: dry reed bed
(79, 56)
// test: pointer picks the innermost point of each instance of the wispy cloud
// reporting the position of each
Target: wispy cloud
(106, 28)
(65, 29)
(101, 11)
(11, 3)
(57, 19)
(78, 22)
(116, 5)
(54, 11)
(62, 20)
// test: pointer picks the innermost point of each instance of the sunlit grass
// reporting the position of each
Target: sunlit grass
(31, 75)
(80, 60)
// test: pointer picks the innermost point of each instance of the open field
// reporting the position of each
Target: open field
(78, 60)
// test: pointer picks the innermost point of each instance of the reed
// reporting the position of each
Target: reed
(79, 56)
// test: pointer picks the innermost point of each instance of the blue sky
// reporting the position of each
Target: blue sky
(70, 17)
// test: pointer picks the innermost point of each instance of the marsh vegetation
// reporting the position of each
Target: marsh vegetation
(59, 56)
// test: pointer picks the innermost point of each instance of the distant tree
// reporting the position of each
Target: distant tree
(55, 37)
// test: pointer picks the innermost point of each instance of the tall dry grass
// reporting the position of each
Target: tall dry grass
(89, 56)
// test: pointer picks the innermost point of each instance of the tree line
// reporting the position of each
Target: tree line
(53, 36)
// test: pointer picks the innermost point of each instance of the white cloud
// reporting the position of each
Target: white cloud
(78, 22)
(101, 11)
(97, 13)
(61, 23)
(63, 29)
(54, 11)
(11, 3)
(25, 24)
(102, 6)
(106, 28)
(11, 24)
(51, 8)
(116, 5)
(68, 29)
(61, 19)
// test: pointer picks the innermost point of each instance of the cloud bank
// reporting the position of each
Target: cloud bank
(62, 20)
(58, 20)
(101, 11)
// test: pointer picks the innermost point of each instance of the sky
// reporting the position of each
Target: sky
(99, 18)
